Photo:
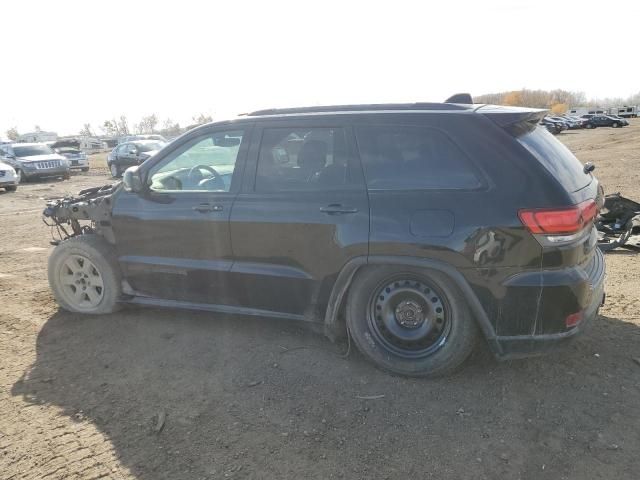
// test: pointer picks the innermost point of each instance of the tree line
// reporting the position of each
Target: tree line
(558, 101)
(117, 127)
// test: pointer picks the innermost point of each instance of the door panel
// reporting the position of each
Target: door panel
(173, 239)
(288, 252)
(168, 249)
(303, 216)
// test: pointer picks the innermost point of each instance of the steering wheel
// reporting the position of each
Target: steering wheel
(215, 180)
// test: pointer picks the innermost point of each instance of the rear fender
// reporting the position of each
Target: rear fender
(348, 272)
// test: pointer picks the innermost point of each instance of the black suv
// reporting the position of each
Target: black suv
(414, 228)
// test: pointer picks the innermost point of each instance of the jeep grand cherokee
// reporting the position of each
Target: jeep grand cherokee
(415, 228)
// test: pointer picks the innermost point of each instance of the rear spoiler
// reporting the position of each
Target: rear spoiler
(516, 120)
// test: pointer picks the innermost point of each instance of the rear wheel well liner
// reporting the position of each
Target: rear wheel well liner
(345, 278)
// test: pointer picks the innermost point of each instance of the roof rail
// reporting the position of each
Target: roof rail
(358, 108)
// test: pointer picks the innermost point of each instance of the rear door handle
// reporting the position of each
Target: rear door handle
(337, 209)
(207, 208)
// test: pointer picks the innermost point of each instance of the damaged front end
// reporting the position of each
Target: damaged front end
(619, 223)
(87, 212)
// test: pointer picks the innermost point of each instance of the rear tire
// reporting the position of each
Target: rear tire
(410, 321)
(12, 188)
(66, 176)
(85, 169)
(84, 275)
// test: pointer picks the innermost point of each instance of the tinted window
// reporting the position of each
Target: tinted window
(556, 158)
(203, 164)
(412, 158)
(302, 159)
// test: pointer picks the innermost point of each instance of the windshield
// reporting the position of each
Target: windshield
(556, 158)
(30, 150)
(147, 147)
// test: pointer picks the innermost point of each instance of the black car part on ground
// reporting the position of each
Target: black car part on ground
(91, 206)
(618, 223)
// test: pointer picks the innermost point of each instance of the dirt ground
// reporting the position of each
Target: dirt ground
(161, 394)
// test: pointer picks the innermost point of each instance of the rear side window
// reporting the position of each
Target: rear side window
(301, 159)
(413, 158)
(556, 158)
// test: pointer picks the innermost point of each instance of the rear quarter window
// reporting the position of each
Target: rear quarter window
(413, 158)
(556, 158)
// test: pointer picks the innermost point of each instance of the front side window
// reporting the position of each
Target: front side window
(204, 164)
(302, 159)
(413, 158)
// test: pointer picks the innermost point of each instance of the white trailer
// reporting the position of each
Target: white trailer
(624, 111)
(579, 111)
(38, 137)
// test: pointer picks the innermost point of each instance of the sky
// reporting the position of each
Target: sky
(67, 63)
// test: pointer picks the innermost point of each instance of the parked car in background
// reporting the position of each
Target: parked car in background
(605, 121)
(8, 177)
(70, 149)
(569, 122)
(573, 122)
(151, 136)
(34, 160)
(405, 225)
(128, 154)
(623, 121)
(553, 126)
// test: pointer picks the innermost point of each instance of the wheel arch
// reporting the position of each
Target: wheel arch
(338, 296)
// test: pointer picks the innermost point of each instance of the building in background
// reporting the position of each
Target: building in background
(38, 137)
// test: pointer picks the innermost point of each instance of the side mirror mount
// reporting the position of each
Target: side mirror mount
(131, 180)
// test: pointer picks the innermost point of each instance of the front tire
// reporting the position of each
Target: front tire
(615, 125)
(84, 275)
(11, 188)
(410, 321)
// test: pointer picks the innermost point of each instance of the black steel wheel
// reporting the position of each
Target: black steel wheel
(409, 316)
(410, 321)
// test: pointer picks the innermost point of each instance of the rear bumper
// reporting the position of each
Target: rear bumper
(590, 298)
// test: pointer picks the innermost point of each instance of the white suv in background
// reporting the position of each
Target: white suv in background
(8, 177)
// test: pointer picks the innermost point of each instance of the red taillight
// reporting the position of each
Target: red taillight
(559, 221)
(573, 319)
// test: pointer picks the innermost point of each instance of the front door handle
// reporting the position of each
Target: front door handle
(207, 208)
(337, 209)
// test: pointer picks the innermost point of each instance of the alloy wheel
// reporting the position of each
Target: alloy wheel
(81, 282)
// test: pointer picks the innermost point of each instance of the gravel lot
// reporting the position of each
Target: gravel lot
(154, 394)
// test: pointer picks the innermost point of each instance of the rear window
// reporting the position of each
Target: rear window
(413, 158)
(556, 158)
